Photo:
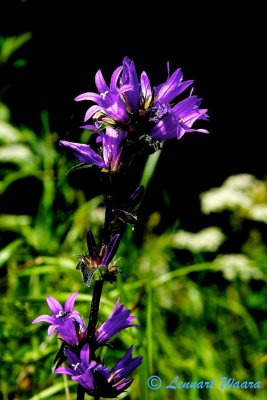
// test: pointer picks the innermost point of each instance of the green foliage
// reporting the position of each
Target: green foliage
(9, 46)
(201, 307)
(199, 318)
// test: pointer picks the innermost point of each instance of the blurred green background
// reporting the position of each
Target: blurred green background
(200, 296)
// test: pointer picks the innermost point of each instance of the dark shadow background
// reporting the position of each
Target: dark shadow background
(222, 49)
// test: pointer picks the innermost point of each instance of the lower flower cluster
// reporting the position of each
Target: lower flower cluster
(84, 367)
(97, 379)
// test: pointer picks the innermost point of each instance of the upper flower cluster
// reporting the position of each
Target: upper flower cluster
(129, 100)
(132, 108)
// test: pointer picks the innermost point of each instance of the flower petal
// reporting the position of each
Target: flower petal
(173, 91)
(91, 127)
(52, 328)
(70, 302)
(123, 384)
(165, 129)
(119, 319)
(86, 380)
(54, 305)
(89, 96)
(126, 364)
(135, 198)
(111, 250)
(64, 370)
(146, 91)
(91, 111)
(72, 357)
(162, 90)
(43, 318)
(100, 82)
(129, 77)
(84, 153)
(85, 354)
(185, 107)
(111, 147)
(115, 77)
(125, 88)
(91, 244)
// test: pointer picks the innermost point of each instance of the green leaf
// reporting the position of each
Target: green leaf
(11, 44)
(47, 393)
(14, 223)
(125, 217)
(59, 357)
(8, 133)
(78, 167)
(13, 177)
(7, 252)
(17, 154)
(4, 112)
(150, 168)
(20, 63)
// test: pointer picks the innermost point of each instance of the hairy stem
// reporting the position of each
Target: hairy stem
(96, 297)
(108, 219)
(80, 392)
(97, 291)
(93, 316)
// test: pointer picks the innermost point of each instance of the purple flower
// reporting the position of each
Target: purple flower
(106, 252)
(80, 368)
(111, 150)
(135, 198)
(119, 319)
(136, 106)
(64, 320)
(110, 105)
(180, 120)
(166, 92)
(129, 77)
(124, 213)
(95, 377)
(124, 367)
(100, 261)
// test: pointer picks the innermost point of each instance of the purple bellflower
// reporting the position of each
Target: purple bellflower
(111, 107)
(119, 319)
(98, 380)
(180, 120)
(64, 320)
(111, 150)
(124, 213)
(95, 261)
(140, 105)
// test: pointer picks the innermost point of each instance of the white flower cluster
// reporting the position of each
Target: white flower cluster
(243, 194)
(238, 266)
(206, 240)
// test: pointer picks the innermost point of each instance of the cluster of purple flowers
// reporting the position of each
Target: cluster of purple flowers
(130, 108)
(129, 117)
(89, 371)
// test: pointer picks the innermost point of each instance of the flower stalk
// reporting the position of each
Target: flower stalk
(129, 117)
(93, 315)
